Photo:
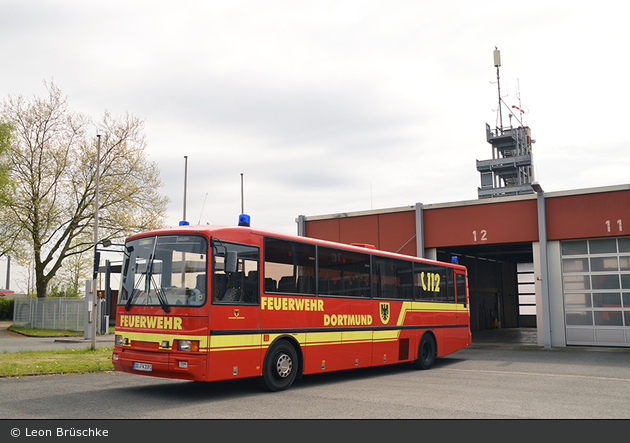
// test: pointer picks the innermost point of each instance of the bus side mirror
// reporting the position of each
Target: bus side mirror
(231, 262)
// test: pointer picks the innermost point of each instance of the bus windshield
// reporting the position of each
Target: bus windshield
(165, 271)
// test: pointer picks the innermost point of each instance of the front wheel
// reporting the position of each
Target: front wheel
(427, 351)
(280, 367)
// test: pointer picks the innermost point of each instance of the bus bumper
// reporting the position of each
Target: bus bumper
(183, 366)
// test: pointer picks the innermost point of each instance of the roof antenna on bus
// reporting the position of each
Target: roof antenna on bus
(183, 222)
(203, 206)
(243, 219)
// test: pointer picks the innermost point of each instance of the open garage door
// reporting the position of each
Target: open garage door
(499, 284)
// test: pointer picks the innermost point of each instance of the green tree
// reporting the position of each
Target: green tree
(69, 281)
(52, 162)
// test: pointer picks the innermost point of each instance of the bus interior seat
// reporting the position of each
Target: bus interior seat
(286, 284)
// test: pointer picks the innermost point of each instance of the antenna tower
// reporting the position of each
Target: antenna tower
(510, 171)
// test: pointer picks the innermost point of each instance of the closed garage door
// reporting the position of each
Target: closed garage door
(596, 286)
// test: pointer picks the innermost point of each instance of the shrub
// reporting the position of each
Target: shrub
(6, 308)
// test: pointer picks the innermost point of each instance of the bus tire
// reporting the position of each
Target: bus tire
(280, 366)
(427, 351)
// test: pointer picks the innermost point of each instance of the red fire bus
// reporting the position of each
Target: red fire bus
(213, 303)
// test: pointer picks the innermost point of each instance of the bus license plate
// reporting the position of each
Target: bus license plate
(148, 367)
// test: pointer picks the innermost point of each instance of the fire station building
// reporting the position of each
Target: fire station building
(558, 262)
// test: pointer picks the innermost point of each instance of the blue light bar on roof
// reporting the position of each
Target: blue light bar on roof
(243, 220)
(183, 223)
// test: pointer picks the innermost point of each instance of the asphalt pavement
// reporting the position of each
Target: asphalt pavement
(493, 383)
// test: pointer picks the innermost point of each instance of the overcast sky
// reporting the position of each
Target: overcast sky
(334, 106)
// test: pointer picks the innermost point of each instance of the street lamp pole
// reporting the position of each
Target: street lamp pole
(96, 253)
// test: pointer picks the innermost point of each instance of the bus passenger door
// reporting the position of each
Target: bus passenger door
(234, 341)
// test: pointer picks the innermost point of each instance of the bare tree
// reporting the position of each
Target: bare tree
(5, 184)
(52, 162)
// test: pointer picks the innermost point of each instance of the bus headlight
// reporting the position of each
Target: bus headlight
(120, 341)
(188, 345)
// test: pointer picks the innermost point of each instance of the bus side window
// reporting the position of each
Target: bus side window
(450, 285)
(392, 278)
(344, 273)
(236, 282)
(431, 282)
(289, 267)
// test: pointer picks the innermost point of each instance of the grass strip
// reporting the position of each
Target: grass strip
(67, 361)
(29, 332)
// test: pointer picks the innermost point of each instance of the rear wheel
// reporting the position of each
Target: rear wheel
(427, 351)
(280, 367)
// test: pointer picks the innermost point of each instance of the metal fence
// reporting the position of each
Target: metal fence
(61, 313)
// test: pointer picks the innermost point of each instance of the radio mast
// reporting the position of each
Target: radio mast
(510, 171)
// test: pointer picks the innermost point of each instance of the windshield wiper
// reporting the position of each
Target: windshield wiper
(148, 281)
(132, 296)
(159, 291)
(161, 296)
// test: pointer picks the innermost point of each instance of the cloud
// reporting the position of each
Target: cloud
(333, 106)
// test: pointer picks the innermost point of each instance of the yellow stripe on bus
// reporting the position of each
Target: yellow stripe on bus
(160, 337)
(254, 341)
(235, 342)
(422, 307)
(385, 335)
(356, 336)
